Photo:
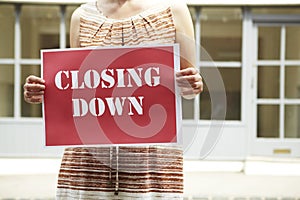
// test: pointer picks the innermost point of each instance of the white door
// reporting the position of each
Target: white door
(276, 89)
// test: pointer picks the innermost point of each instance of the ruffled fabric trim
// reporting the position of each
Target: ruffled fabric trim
(152, 26)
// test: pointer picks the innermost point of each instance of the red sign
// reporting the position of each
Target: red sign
(112, 95)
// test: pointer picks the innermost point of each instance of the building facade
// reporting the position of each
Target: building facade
(247, 53)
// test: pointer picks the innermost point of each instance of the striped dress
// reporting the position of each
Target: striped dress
(124, 172)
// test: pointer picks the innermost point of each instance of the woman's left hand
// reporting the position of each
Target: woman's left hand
(190, 82)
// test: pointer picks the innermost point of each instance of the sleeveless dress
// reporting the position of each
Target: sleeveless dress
(152, 172)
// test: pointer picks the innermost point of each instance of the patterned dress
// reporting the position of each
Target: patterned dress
(124, 172)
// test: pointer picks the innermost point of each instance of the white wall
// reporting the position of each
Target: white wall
(25, 139)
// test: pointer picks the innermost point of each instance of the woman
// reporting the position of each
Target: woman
(135, 172)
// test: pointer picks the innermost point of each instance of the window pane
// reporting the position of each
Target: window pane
(187, 109)
(292, 118)
(6, 90)
(269, 43)
(268, 82)
(205, 102)
(193, 14)
(232, 81)
(69, 12)
(268, 121)
(292, 81)
(30, 110)
(221, 33)
(40, 29)
(293, 42)
(279, 10)
(7, 22)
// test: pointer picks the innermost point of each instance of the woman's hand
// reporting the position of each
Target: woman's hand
(190, 82)
(34, 89)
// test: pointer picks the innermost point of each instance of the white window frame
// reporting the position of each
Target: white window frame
(269, 146)
(282, 64)
(234, 143)
(221, 64)
(18, 61)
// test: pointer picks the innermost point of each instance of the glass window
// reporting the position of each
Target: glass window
(279, 10)
(6, 90)
(269, 43)
(205, 101)
(40, 29)
(292, 43)
(188, 104)
(193, 13)
(232, 82)
(30, 110)
(268, 121)
(268, 85)
(69, 12)
(187, 108)
(292, 118)
(7, 23)
(270, 81)
(292, 82)
(221, 33)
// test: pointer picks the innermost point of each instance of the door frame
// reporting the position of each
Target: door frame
(270, 147)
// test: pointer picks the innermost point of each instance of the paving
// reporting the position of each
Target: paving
(40, 184)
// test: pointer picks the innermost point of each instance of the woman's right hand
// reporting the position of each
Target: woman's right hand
(34, 89)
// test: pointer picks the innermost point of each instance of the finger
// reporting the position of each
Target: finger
(35, 79)
(34, 100)
(190, 78)
(188, 81)
(37, 100)
(29, 94)
(185, 84)
(198, 90)
(187, 71)
(196, 85)
(34, 87)
(191, 92)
